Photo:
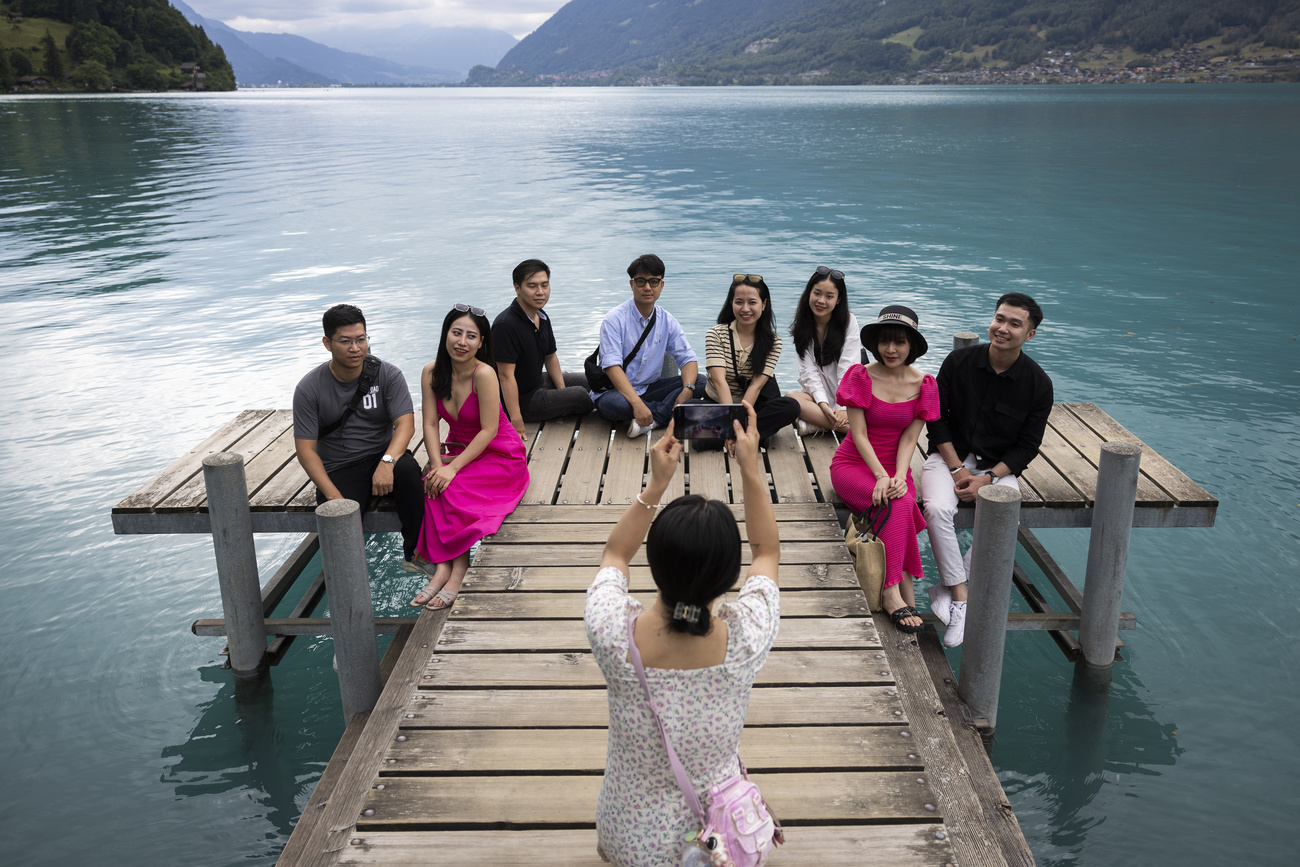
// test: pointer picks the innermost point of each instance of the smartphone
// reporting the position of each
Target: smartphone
(707, 422)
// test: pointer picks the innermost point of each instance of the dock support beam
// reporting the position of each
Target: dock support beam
(1112, 522)
(993, 559)
(963, 339)
(352, 616)
(232, 541)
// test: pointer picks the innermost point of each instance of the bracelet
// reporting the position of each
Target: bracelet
(649, 505)
(954, 470)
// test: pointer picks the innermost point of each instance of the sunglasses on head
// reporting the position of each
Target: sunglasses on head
(469, 308)
(834, 274)
(746, 278)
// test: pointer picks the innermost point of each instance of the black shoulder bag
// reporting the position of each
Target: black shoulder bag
(369, 373)
(597, 379)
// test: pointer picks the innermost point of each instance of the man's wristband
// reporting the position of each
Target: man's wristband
(954, 470)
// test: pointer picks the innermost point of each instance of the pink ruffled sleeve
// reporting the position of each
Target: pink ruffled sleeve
(855, 388)
(927, 408)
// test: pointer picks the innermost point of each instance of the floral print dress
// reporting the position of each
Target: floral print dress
(641, 817)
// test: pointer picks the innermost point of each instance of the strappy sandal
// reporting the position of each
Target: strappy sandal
(424, 597)
(898, 615)
(445, 596)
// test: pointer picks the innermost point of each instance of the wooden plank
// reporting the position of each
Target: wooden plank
(479, 636)
(1171, 479)
(280, 490)
(274, 457)
(578, 669)
(588, 556)
(586, 465)
(910, 845)
(708, 474)
(1074, 467)
(183, 468)
(1088, 443)
(609, 514)
(570, 799)
(790, 478)
(564, 578)
(565, 534)
(193, 494)
(820, 449)
(677, 487)
(589, 708)
(626, 469)
(547, 460)
(542, 606)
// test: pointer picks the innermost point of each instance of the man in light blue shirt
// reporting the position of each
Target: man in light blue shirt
(640, 395)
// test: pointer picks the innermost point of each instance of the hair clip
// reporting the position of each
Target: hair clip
(689, 613)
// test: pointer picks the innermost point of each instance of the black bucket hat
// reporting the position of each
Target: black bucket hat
(897, 314)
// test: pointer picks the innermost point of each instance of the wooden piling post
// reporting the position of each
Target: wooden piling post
(352, 616)
(993, 558)
(964, 338)
(1112, 523)
(232, 541)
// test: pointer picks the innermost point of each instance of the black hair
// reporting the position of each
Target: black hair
(891, 331)
(528, 268)
(441, 376)
(764, 328)
(1020, 299)
(804, 327)
(340, 315)
(694, 553)
(647, 264)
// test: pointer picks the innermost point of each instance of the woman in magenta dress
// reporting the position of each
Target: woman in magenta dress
(888, 403)
(480, 473)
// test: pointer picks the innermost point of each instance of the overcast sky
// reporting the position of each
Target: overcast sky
(517, 17)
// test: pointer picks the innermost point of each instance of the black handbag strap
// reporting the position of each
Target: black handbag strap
(635, 349)
(369, 373)
(872, 521)
(735, 365)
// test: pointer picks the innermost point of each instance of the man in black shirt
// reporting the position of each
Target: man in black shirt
(994, 402)
(523, 342)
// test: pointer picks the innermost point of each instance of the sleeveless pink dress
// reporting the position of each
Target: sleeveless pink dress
(486, 490)
(853, 479)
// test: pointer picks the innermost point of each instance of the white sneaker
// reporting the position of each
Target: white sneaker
(940, 600)
(805, 429)
(635, 430)
(956, 632)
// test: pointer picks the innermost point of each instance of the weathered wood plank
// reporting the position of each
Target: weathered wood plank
(911, 845)
(579, 751)
(790, 478)
(270, 460)
(625, 470)
(542, 606)
(193, 494)
(1044, 479)
(479, 636)
(609, 514)
(1155, 467)
(281, 489)
(589, 708)
(820, 449)
(586, 465)
(578, 669)
(1088, 443)
(462, 802)
(803, 576)
(179, 471)
(547, 460)
(823, 530)
(588, 556)
(708, 474)
(1072, 466)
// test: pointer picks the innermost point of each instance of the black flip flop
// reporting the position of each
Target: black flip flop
(896, 617)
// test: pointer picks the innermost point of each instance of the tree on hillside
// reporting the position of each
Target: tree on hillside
(53, 65)
(7, 77)
(92, 75)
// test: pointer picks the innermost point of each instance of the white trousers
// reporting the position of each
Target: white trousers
(940, 508)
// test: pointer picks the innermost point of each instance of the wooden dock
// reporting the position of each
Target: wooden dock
(488, 741)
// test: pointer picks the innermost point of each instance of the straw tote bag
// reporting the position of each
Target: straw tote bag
(862, 535)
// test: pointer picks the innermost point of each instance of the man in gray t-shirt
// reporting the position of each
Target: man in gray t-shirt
(367, 454)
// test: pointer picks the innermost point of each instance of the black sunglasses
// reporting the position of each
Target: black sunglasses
(469, 308)
(823, 271)
(746, 278)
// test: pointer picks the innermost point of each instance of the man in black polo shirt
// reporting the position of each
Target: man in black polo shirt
(523, 342)
(994, 402)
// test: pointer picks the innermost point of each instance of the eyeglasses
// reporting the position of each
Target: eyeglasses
(823, 271)
(642, 282)
(746, 278)
(349, 342)
(469, 308)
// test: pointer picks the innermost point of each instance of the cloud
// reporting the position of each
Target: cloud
(518, 17)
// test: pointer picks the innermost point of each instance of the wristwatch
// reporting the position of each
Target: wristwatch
(387, 459)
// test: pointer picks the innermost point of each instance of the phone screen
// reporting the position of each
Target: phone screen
(709, 422)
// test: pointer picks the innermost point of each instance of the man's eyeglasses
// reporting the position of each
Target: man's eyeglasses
(349, 342)
(746, 278)
(642, 282)
(823, 271)
(469, 308)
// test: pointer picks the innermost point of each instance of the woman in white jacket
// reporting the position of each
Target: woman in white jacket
(826, 337)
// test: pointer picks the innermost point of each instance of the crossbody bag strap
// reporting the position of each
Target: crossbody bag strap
(735, 365)
(369, 373)
(683, 781)
(635, 349)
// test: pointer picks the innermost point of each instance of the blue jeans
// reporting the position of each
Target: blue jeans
(659, 397)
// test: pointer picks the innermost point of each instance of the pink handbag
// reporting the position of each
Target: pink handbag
(738, 830)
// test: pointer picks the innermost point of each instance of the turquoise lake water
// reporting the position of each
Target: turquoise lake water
(164, 262)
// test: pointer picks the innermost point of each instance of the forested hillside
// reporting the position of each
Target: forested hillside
(886, 41)
(100, 45)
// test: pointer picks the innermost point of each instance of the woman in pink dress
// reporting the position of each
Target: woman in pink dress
(480, 473)
(888, 402)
